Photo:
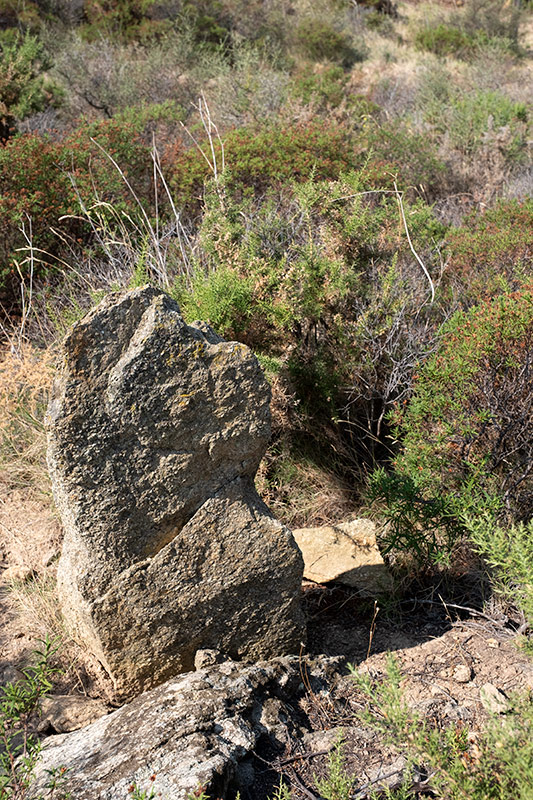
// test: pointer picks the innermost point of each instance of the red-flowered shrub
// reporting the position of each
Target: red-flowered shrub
(44, 185)
(258, 159)
(491, 252)
(468, 430)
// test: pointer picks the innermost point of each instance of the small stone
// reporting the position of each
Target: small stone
(65, 713)
(206, 658)
(492, 643)
(18, 574)
(492, 699)
(454, 711)
(387, 774)
(462, 673)
(316, 741)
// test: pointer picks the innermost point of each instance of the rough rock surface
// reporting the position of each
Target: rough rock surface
(66, 712)
(347, 553)
(194, 730)
(155, 432)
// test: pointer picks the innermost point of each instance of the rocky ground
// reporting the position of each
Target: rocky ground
(458, 663)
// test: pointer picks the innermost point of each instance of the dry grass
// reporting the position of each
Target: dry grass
(301, 493)
(36, 611)
(30, 540)
(25, 379)
(30, 534)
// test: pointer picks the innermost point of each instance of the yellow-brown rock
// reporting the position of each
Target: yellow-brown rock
(346, 553)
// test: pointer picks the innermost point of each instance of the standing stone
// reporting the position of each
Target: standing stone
(155, 432)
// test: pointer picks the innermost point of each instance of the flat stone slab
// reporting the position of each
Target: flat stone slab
(192, 731)
(347, 553)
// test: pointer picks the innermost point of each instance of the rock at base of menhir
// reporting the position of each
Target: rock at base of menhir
(195, 730)
(156, 429)
(346, 552)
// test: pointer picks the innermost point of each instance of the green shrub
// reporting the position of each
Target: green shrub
(338, 785)
(509, 554)
(467, 432)
(491, 18)
(380, 22)
(491, 252)
(123, 19)
(223, 297)
(412, 157)
(209, 21)
(426, 528)
(481, 23)
(318, 40)
(447, 40)
(326, 87)
(322, 278)
(18, 16)
(23, 87)
(467, 117)
(444, 40)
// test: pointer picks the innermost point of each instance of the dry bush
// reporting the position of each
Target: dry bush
(106, 77)
(252, 90)
(25, 378)
(519, 184)
(301, 492)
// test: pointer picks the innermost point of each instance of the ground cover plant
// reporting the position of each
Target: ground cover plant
(19, 704)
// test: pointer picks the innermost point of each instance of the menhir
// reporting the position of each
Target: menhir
(155, 432)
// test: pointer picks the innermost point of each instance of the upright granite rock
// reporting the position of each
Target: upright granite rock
(155, 432)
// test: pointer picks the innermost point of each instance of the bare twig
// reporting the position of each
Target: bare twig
(212, 133)
(302, 756)
(181, 233)
(402, 213)
(304, 789)
(372, 627)
(454, 605)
